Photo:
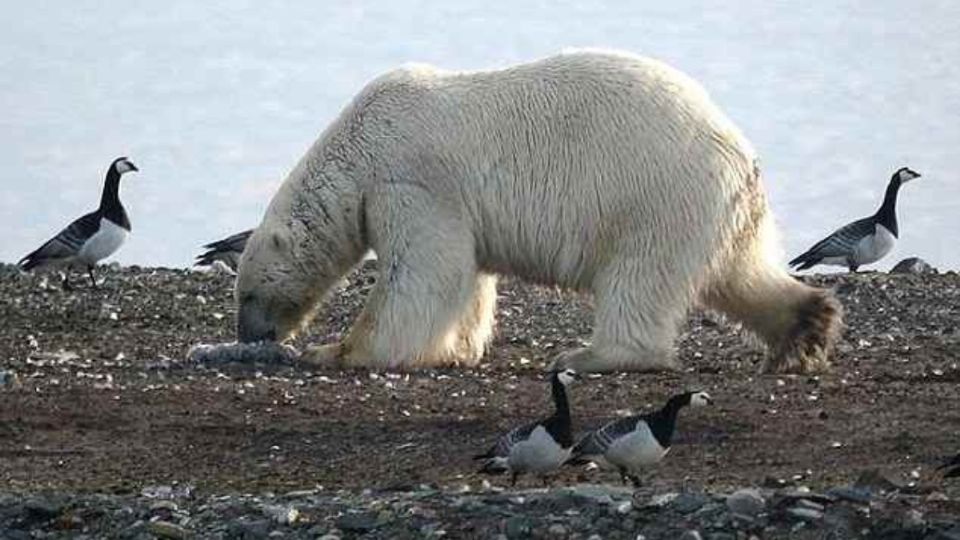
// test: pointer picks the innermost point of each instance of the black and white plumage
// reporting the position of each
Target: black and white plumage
(538, 447)
(90, 238)
(636, 442)
(227, 251)
(951, 467)
(864, 241)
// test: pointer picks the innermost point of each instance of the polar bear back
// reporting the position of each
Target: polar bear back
(555, 165)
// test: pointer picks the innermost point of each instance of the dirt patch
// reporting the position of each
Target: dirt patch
(104, 402)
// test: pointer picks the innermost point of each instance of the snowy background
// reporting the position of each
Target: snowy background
(215, 101)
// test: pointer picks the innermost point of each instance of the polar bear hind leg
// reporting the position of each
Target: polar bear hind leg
(798, 323)
(639, 309)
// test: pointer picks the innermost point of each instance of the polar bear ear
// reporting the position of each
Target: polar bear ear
(279, 241)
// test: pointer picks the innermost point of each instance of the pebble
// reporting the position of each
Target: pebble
(746, 502)
(9, 379)
(557, 530)
(808, 514)
(691, 535)
(358, 522)
(165, 529)
(518, 527)
(687, 502)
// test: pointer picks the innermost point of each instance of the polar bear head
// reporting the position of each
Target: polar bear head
(273, 291)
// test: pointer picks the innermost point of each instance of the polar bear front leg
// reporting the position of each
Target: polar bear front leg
(428, 295)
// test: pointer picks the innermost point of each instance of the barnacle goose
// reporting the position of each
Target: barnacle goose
(227, 251)
(635, 442)
(538, 447)
(864, 241)
(952, 467)
(91, 237)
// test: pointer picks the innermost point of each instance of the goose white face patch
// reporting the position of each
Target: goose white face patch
(124, 166)
(700, 399)
(907, 175)
(567, 376)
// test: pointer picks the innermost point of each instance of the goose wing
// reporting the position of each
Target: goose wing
(65, 244)
(504, 444)
(840, 243)
(226, 250)
(597, 443)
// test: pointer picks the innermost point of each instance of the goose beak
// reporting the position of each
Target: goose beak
(133, 167)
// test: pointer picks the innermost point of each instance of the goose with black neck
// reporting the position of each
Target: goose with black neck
(864, 241)
(91, 237)
(539, 447)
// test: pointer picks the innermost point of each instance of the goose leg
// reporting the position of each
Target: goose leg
(65, 282)
(635, 480)
(93, 280)
(513, 479)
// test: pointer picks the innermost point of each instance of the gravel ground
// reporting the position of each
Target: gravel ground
(106, 430)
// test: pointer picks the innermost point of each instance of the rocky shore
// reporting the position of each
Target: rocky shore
(107, 431)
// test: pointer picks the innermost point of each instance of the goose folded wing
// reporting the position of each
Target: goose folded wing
(66, 243)
(844, 240)
(236, 242)
(598, 442)
(508, 441)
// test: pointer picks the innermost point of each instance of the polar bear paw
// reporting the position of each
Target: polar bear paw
(327, 356)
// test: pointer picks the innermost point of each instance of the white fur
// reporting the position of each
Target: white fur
(602, 172)
(102, 244)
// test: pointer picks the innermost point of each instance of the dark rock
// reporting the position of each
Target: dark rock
(250, 530)
(518, 527)
(913, 265)
(689, 502)
(874, 480)
(165, 529)
(746, 502)
(853, 494)
(358, 522)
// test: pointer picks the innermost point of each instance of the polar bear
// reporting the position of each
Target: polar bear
(596, 171)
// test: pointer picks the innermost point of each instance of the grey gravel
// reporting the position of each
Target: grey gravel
(746, 502)
(433, 513)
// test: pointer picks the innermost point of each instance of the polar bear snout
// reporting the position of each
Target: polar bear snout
(253, 325)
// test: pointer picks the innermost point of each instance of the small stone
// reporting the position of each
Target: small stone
(518, 527)
(9, 379)
(914, 518)
(686, 503)
(282, 514)
(359, 522)
(165, 529)
(875, 480)
(557, 530)
(806, 514)
(913, 265)
(746, 502)
(691, 535)
(852, 494)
